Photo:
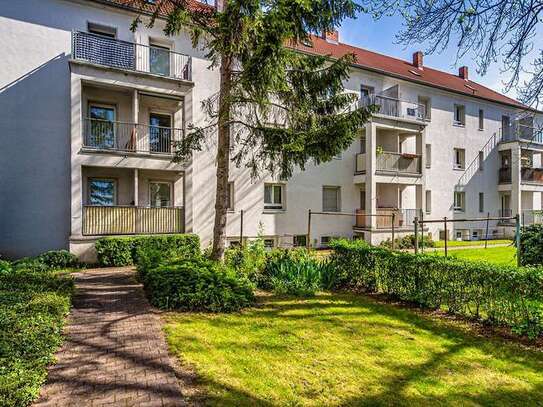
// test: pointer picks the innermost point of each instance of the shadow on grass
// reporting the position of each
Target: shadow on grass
(401, 382)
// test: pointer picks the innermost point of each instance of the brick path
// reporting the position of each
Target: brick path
(115, 353)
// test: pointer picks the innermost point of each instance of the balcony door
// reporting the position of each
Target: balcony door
(506, 205)
(160, 194)
(159, 60)
(160, 133)
(101, 127)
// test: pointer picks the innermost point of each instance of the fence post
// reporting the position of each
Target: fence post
(486, 233)
(517, 237)
(308, 243)
(422, 230)
(416, 221)
(393, 220)
(446, 234)
(241, 229)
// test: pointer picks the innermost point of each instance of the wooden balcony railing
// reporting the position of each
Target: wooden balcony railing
(130, 56)
(403, 218)
(130, 220)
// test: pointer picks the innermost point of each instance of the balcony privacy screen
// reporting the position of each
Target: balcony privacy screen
(104, 51)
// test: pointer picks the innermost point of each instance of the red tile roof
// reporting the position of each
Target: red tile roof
(364, 59)
(395, 67)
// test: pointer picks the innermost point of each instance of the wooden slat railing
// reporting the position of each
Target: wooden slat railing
(130, 220)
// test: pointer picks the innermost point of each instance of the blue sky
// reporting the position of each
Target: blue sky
(380, 35)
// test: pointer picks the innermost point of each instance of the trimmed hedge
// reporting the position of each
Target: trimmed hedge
(123, 251)
(501, 295)
(33, 304)
(196, 284)
(531, 245)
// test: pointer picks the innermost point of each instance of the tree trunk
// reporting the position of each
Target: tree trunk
(223, 160)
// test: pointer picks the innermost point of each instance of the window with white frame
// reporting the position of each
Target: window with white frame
(428, 155)
(102, 30)
(459, 159)
(230, 196)
(300, 240)
(159, 58)
(331, 199)
(459, 201)
(274, 196)
(459, 115)
(426, 105)
(160, 194)
(428, 201)
(102, 192)
(100, 128)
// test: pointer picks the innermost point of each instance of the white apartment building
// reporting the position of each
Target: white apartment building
(90, 112)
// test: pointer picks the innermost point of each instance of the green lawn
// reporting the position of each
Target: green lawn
(345, 350)
(462, 243)
(497, 255)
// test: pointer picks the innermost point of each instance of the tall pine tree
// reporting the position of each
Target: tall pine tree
(278, 107)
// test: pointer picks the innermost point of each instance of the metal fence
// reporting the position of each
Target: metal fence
(111, 52)
(389, 106)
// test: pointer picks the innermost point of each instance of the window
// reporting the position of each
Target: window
(159, 59)
(481, 159)
(274, 196)
(426, 107)
(300, 241)
(160, 133)
(481, 202)
(481, 119)
(428, 201)
(331, 197)
(102, 192)
(475, 235)
(366, 95)
(102, 30)
(234, 243)
(230, 196)
(160, 194)
(325, 240)
(459, 115)
(269, 243)
(101, 126)
(428, 155)
(459, 158)
(459, 201)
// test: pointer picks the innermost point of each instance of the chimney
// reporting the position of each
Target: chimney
(331, 36)
(417, 59)
(463, 72)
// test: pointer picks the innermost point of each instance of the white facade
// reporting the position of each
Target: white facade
(60, 161)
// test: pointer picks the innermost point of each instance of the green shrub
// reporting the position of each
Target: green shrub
(59, 259)
(123, 251)
(502, 295)
(531, 245)
(197, 284)
(293, 272)
(33, 304)
(249, 260)
(408, 242)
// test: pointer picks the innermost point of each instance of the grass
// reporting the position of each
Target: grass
(346, 350)
(33, 306)
(463, 243)
(496, 255)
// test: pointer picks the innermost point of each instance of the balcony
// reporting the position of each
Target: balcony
(390, 162)
(531, 217)
(403, 218)
(521, 132)
(129, 220)
(111, 136)
(396, 108)
(504, 175)
(532, 175)
(113, 53)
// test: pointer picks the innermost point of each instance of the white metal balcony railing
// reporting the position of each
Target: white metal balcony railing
(531, 217)
(127, 220)
(129, 137)
(403, 218)
(390, 162)
(115, 53)
(392, 107)
(521, 132)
